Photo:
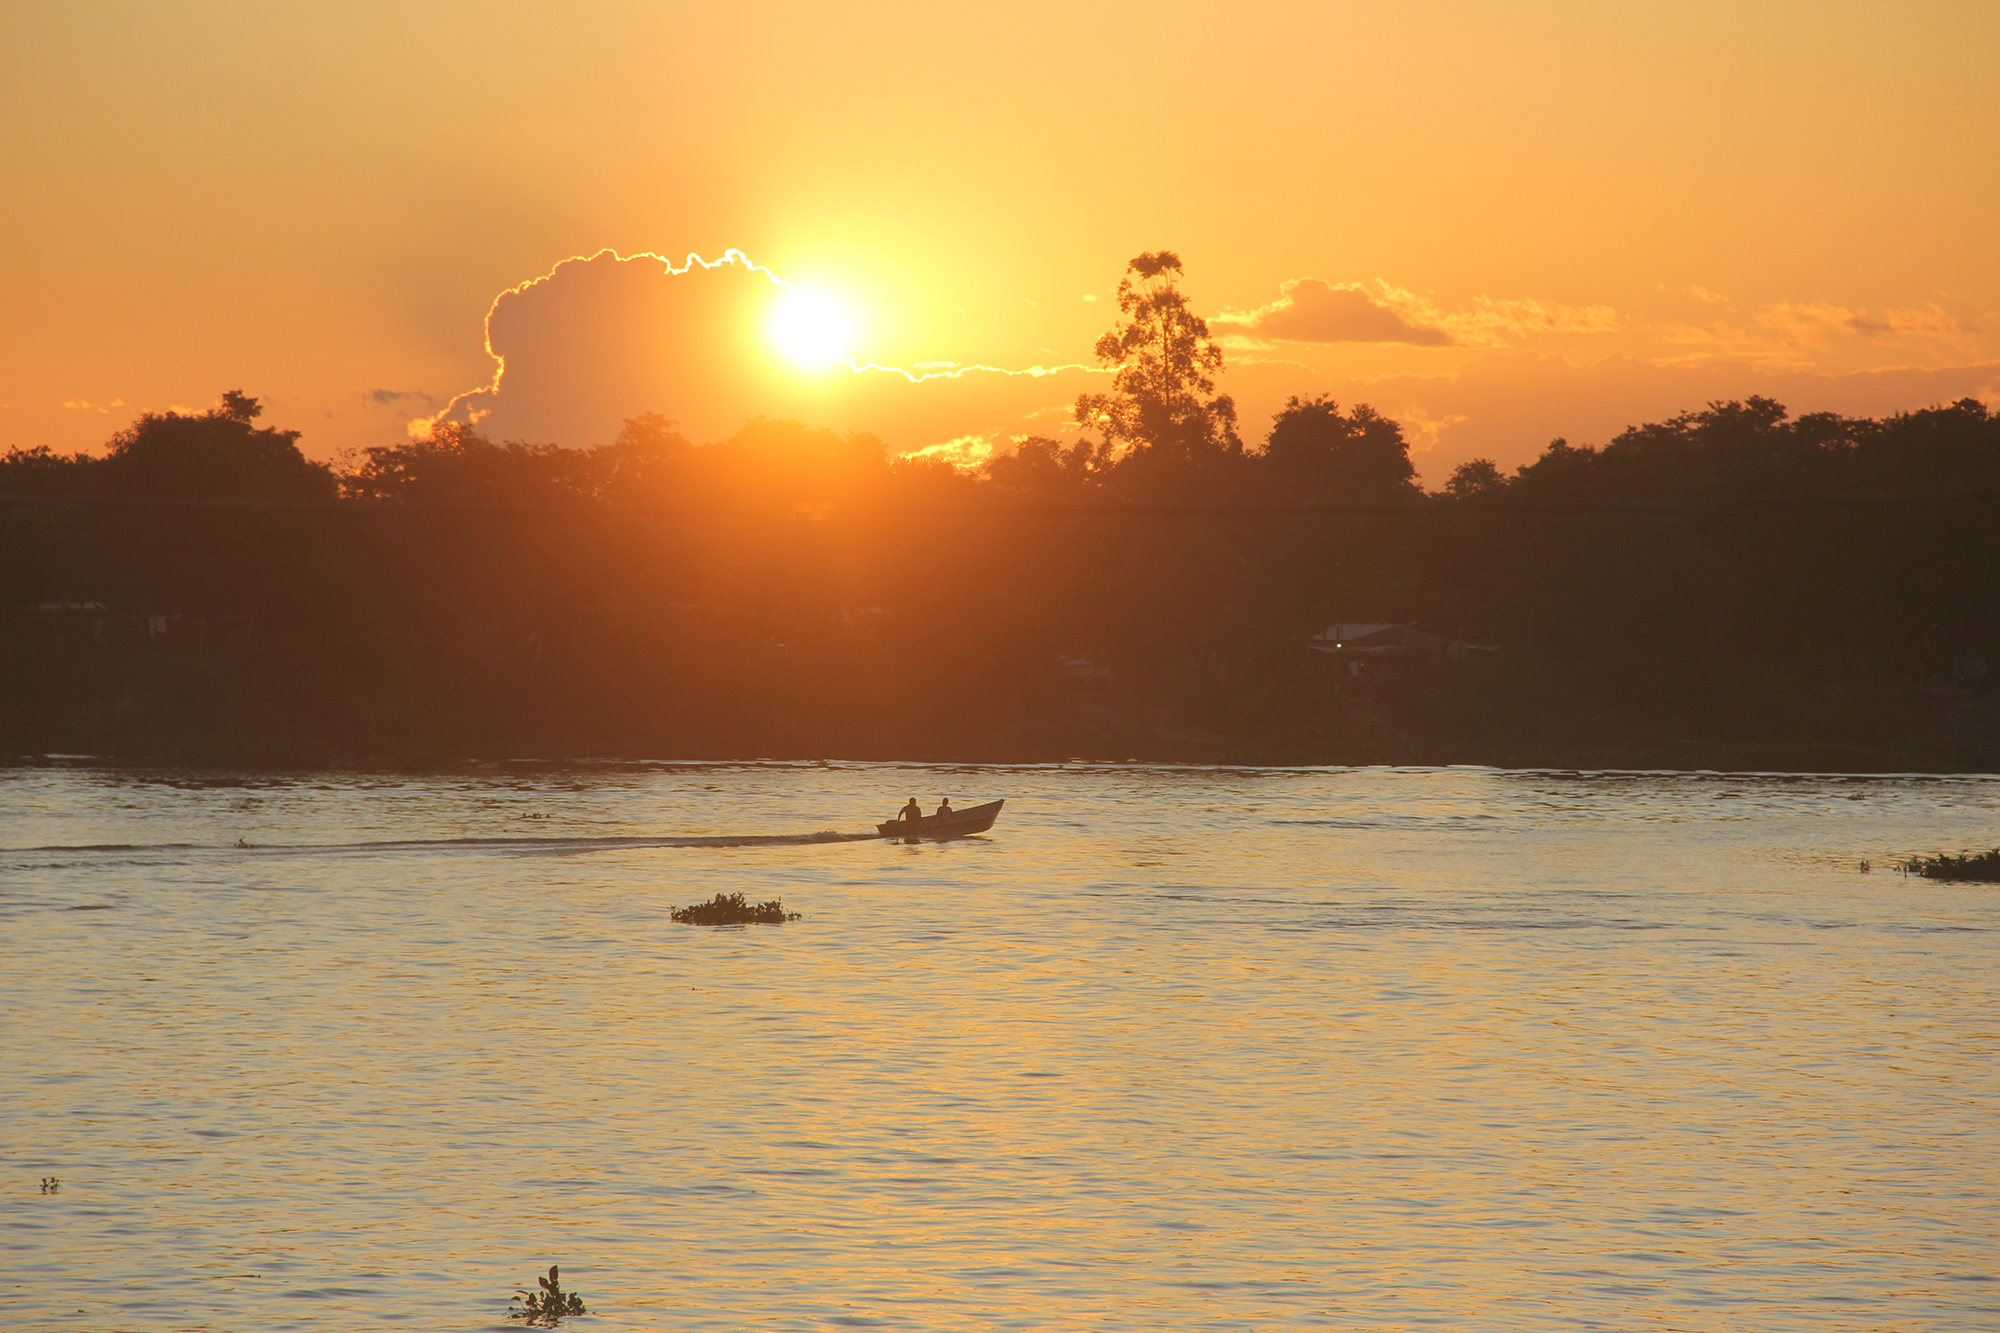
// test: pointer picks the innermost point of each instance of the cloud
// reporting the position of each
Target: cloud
(1500, 322)
(1798, 334)
(1421, 428)
(604, 337)
(399, 398)
(967, 451)
(1309, 310)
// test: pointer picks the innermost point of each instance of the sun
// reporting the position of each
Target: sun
(811, 329)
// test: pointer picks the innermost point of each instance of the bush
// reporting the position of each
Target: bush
(731, 909)
(1981, 867)
(549, 1306)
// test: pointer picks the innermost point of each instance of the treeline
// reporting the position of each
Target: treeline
(1172, 442)
(1313, 455)
(1314, 452)
(1732, 587)
(220, 454)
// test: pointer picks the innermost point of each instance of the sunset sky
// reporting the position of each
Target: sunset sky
(1496, 223)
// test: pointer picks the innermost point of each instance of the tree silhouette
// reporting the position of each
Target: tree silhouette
(1476, 479)
(1938, 448)
(1162, 401)
(1043, 466)
(647, 464)
(42, 471)
(213, 455)
(1803, 583)
(1315, 450)
(1753, 447)
(455, 465)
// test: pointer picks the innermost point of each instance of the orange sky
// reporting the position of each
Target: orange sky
(1498, 223)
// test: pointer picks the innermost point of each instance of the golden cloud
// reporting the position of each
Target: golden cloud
(1311, 310)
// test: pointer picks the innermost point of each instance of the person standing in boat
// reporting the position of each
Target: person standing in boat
(944, 808)
(911, 813)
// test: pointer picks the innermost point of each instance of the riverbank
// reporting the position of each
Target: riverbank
(289, 709)
(1831, 758)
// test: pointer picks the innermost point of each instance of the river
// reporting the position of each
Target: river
(1170, 1048)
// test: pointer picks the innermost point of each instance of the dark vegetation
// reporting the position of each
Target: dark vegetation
(1730, 588)
(1973, 867)
(550, 1305)
(731, 909)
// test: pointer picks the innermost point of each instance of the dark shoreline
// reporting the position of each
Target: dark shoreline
(1830, 760)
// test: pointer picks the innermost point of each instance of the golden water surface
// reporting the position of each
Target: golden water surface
(1169, 1049)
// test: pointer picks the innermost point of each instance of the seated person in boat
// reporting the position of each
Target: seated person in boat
(911, 813)
(944, 808)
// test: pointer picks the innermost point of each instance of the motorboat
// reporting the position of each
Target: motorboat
(972, 819)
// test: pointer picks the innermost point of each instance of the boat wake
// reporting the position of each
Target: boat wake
(544, 846)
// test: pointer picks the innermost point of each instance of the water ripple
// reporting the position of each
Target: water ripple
(1171, 1048)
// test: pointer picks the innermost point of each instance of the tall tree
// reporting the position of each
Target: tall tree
(1162, 401)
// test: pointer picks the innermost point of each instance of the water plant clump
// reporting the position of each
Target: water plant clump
(732, 909)
(549, 1306)
(1979, 867)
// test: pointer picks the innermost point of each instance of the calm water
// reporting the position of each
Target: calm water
(1169, 1049)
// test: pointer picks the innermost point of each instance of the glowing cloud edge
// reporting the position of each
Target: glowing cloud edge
(420, 427)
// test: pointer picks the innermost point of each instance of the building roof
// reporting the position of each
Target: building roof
(1377, 635)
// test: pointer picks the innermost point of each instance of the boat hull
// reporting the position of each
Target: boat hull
(957, 824)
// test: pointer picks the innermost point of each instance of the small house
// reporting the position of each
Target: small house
(1385, 644)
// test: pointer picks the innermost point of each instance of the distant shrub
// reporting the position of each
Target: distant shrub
(1981, 867)
(731, 909)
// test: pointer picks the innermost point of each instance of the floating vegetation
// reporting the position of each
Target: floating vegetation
(51, 1185)
(731, 909)
(1980, 867)
(549, 1306)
